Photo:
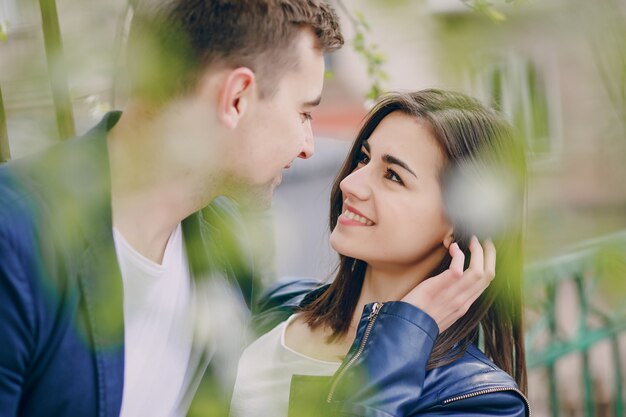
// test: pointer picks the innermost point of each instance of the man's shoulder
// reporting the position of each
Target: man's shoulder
(47, 191)
(58, 165)
(17, 204)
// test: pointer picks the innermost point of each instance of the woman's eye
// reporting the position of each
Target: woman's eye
(362, 159)
(391, 175)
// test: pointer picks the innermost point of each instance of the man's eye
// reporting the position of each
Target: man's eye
(306, 116)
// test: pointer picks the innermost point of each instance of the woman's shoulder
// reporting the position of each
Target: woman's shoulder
(473, 377)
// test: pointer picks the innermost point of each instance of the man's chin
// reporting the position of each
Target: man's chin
(258, 198)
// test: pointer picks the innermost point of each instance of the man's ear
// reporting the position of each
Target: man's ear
(238, 89)
(449, 238)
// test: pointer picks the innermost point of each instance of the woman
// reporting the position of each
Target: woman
(382, 339)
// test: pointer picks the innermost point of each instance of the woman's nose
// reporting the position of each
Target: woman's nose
(356, 184)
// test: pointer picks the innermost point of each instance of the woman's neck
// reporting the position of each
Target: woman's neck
(383, 283)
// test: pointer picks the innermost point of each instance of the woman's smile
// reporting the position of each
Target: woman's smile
(353, 217)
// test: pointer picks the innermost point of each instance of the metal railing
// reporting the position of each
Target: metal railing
(585, 267)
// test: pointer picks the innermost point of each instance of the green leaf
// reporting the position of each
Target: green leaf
(378, 59)
(361, 19)
(495, 15)
(359, 42)
(4, 29)
(374, 92)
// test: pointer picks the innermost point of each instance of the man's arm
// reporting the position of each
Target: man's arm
(17, 263)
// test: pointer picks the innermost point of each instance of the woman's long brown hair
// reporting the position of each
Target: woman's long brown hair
(469, 134)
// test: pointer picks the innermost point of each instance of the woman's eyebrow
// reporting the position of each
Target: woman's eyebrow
(390, 159)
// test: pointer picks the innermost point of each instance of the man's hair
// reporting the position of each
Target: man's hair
(171, 45)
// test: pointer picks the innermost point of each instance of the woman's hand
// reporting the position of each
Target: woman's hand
(449, 295)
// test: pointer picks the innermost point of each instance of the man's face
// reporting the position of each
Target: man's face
(277, 129)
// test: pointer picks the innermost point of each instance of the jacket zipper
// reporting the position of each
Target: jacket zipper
(371, 319)
(488, 391)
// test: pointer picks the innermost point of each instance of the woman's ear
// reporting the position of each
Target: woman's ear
(235, 95)
(449, 238)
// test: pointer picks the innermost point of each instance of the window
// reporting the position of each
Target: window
(521, 90)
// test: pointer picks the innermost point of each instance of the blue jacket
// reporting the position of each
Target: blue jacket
(384, 373)
(61, 310)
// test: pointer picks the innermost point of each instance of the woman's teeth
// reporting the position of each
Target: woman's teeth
(353, 216)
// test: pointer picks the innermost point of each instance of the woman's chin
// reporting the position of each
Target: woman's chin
(343, 248)
(338, 243)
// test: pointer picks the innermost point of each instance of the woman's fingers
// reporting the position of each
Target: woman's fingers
(490, 259)
(448, 296)
(458, 260)
(477, 262)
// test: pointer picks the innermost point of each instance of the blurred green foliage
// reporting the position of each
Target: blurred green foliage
(4, 29)
(489, 8)
(369, 51)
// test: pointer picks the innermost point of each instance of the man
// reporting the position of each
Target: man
(106, 239)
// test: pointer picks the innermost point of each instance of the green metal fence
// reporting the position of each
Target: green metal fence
(597, 270)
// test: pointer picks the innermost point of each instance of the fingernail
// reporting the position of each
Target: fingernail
(455, 245)
(474, 239)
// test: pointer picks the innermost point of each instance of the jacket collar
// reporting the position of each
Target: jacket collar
(86, 164)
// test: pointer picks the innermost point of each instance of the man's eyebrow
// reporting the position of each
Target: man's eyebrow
(395, 161)
(313, 103)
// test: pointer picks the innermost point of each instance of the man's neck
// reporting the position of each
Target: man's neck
(150, 196)
(147, 218)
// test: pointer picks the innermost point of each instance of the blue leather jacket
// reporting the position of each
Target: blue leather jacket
(384, 373)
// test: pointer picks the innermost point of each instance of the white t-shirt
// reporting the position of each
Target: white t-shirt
(265, 371)
(157, 328)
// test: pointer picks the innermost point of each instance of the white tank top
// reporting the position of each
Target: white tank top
(265, 371)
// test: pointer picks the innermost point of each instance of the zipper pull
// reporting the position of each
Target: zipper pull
(375, 309)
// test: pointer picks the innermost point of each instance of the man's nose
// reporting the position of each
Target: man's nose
(308, 148)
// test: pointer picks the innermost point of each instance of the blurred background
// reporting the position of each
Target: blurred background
(556, 68)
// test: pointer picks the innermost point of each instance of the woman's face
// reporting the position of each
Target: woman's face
(393, 211)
